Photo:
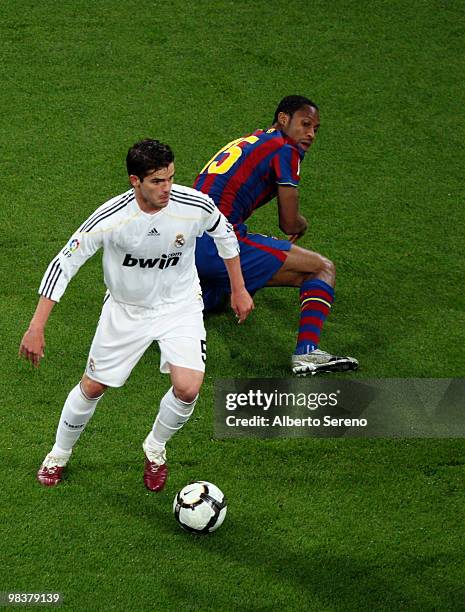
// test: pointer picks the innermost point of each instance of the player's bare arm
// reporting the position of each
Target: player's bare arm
(33, 343)
(291, 222)
(241, 301)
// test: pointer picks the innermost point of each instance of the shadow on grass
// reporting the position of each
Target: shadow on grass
(262, 345)
(243, 566)
(257, 570)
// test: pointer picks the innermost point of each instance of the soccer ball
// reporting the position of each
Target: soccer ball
(200, 507)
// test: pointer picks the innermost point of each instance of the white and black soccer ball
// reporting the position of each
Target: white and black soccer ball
(200, 507)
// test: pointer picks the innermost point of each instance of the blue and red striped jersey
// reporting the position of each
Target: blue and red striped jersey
(245, 174)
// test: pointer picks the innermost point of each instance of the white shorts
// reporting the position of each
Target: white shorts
(125, 332)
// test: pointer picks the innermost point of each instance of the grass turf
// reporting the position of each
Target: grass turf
(312, 524)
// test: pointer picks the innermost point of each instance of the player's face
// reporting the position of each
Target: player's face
(153, 193)
(302, 127)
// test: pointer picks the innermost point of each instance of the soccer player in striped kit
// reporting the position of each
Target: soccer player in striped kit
(246, 174)
(148, 235)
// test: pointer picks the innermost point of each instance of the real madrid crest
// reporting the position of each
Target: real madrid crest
(180, 240)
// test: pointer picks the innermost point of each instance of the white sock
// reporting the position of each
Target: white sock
(171, 417)
(76, 413)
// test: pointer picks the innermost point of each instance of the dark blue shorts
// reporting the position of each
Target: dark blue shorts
(261, 257)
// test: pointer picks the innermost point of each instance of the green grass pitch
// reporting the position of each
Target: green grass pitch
(313, 524)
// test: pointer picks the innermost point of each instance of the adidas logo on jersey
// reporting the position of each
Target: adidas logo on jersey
(153, 232)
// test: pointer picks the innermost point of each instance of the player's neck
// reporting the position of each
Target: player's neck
(147, 207)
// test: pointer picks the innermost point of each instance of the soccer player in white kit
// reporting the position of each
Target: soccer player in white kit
(148, 235)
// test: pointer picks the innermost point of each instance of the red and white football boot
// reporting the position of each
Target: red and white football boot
(156, 470)
(51, 471)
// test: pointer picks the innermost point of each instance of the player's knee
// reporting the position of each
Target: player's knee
(329, 269)
(187, 392)
(91, 388)
(322, 268)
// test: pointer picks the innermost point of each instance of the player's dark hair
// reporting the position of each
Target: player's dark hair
(148, 156)
(291, 104)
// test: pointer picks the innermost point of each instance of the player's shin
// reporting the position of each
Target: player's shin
(316, 298)
(77, 411)
(172, 415)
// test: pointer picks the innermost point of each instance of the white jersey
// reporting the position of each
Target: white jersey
(148, 259)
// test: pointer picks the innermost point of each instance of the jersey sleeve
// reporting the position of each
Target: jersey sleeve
(64, 266)
(286, 164)
(218, 227)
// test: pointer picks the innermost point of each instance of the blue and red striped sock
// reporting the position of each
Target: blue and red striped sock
(316, 298)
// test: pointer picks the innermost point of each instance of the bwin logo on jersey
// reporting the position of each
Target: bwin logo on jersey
(160, 262)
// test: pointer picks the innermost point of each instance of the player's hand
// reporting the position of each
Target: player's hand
(294, 237)
(32, 346)
(303, 224)
(242, 304)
